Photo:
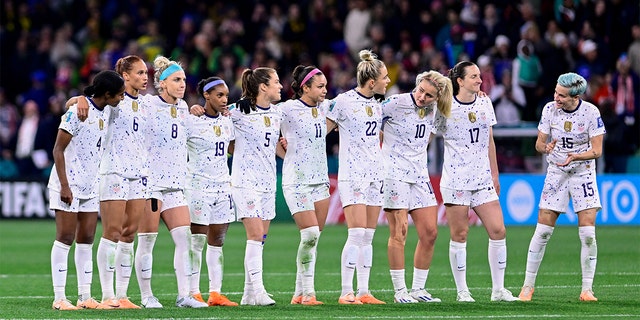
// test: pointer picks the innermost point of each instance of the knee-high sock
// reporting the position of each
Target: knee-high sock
(365, 260)
(538, 244)
(497, 253)
(106, 258)
(59, 266)
(349, 258)
(458, 262)
(397, 279)
(124, 265)
(83, 258)
(588, 255)
(419, 278)
(144, 262)
(182, 258)
(215, 263)
(306, 258)
(253, 265)
(197, 244)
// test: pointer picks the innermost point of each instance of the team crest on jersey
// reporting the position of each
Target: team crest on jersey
(267, 121)
(134, 106)
(174, 112)
(217, 130)
(567, 126)
(314, 112)
(422, 112)
(101, 124)
(369, 111)
(472, 117)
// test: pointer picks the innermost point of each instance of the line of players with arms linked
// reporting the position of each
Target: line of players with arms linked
(140, 158)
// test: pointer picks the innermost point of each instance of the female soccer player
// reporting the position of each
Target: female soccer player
(305, 179)
(167, 162)
(570, 132)
(408, 127)
(470, 179)
(253, 171)
(358, 116)
(73, 187)
(208, 187)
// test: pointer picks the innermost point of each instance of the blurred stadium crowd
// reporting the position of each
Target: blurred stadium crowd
(49, 51)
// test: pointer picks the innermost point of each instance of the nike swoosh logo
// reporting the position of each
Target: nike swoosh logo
(502, 262)
(461, 267)
(62, 270)
(592, 259)
(253, 274)
(306, 262)
(145, 270)
(125, 266)
(88, 272)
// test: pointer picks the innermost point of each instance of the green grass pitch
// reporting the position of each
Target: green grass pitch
(26, 292)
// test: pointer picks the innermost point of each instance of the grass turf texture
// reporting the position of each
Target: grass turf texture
(26, 292)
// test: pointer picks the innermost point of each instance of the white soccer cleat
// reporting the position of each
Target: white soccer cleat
(151, 303)
(403, 296)
(263, 299)
(421, 295)
(190, 302)
(464, 296)
(503, 295)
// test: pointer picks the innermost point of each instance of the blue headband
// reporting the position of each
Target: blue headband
(212, 84)
(169, 70)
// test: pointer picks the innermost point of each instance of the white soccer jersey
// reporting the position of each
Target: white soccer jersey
(406, 137)
(359, 120)
(166, 139)
(304, 127)
(207, 142)
(125, 148)
(82, 155)
(466, 144)
(573, 130)
(254, 155)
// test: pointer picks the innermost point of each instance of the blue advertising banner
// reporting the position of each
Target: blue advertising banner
(619, 195)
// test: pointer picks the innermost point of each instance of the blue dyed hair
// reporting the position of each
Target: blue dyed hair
(574, 82)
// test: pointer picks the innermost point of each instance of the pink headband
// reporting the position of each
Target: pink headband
(309, 75)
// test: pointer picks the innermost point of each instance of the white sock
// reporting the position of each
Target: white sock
(253, 264)
(198, 241)
(538, 244)
(181, 258)
(349, 258)
(106, 259)
(588, 255)
(124, 265)
(215, 263)
(458, 262)
(365, 261)
(497, 253)
(59, 257)
(84, 269)
(419, 278)
(306, 258)
(144, 262)
(397, 279)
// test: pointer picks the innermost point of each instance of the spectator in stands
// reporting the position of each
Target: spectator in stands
(508, 100)
(527, 71)
(356, 27)
(625, 85)
(634, 49)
